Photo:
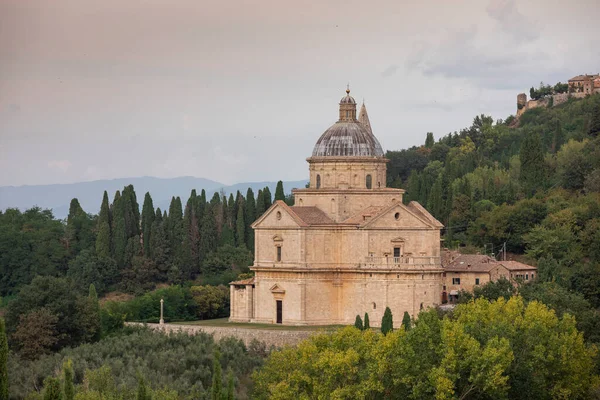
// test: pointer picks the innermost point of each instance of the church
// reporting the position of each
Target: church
(348, 246)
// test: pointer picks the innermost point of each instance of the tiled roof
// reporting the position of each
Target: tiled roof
(516, 266)
(249, 281)
(472, 262)
(584, 77)
(364, 216)
(312, 215)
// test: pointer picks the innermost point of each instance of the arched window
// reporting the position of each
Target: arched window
(318, 181)
(369, 182)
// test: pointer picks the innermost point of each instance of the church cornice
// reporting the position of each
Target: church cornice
(348, 191)
(346, 159)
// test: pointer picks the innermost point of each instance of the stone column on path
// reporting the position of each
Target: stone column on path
(161, 321)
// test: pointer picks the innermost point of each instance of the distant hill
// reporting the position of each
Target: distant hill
(57, 197)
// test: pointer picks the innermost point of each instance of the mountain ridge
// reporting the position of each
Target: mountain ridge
(89, 193)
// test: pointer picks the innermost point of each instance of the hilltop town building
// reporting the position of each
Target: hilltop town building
(348, 246)
(467, 271)
(587, 84)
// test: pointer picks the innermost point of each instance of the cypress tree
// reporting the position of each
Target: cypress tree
(68, 386)
(3, 361)
(240, 230)
(159, 245)
(217, 377)
(387, 323)
(104, 236)
(208, 235)
(77, 237)
(175, 226)
(142, 390)
(227, 235)
(230, 386)
(260, 204)
(532, 163)
(52, 389)
(131, 211)
(267, 195)
(594, 126)
(406, 321)
(148, 216)
(119, 231)
(231, 211)
(200, 208)
(279, 193)
(358, 324)
(367, 325)
(435, 203)
(429, 141)
(250, 217)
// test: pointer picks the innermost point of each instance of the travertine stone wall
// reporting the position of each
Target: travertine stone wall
(340, 205)
(277, 338)
(321, 298)
(345, 173)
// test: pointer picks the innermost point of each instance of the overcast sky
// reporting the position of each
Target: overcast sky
(237, 91)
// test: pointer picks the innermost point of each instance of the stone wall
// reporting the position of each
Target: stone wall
(271, 337)
(557, 99)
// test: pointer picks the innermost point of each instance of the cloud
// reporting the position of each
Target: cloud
(389, 71)
(62, 165)
(514, 23)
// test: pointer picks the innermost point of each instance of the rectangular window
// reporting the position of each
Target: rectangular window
(278, 253)
(526, 277)
(456, 281)
(477, 281)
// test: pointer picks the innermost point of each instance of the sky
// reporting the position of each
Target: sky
(240, 90)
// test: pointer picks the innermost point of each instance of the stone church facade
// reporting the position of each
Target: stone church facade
(348, 246)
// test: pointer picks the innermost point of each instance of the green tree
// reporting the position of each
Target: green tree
(52, 389)
(103, 239)
(387, 322)
(148, 216)
(79, 235)
(260, 204)
(493, 290)
(143, 393)
(174, 228)
(268, 197)
(279, 193)
(406, 321)
(240, 225)
(367, 325)
(216, 390)
(358, 323)
(208, 235)
(160, 251)
(429, 141)
(531, 156)
(595, 121)
(230, 386)
(3, 361)
(118, 229)
(68, 386)
(249, 218)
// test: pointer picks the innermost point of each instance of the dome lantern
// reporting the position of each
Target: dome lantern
(347, 107)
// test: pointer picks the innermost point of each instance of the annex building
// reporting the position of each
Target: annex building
(348, 246)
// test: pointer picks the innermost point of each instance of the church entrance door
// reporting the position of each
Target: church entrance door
(279, 311)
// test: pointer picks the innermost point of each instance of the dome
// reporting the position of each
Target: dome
(347, 138)
(347, 99)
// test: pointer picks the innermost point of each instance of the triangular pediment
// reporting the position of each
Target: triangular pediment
(277, 289)
(400, 216)
(279, 215)
(398, 240)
